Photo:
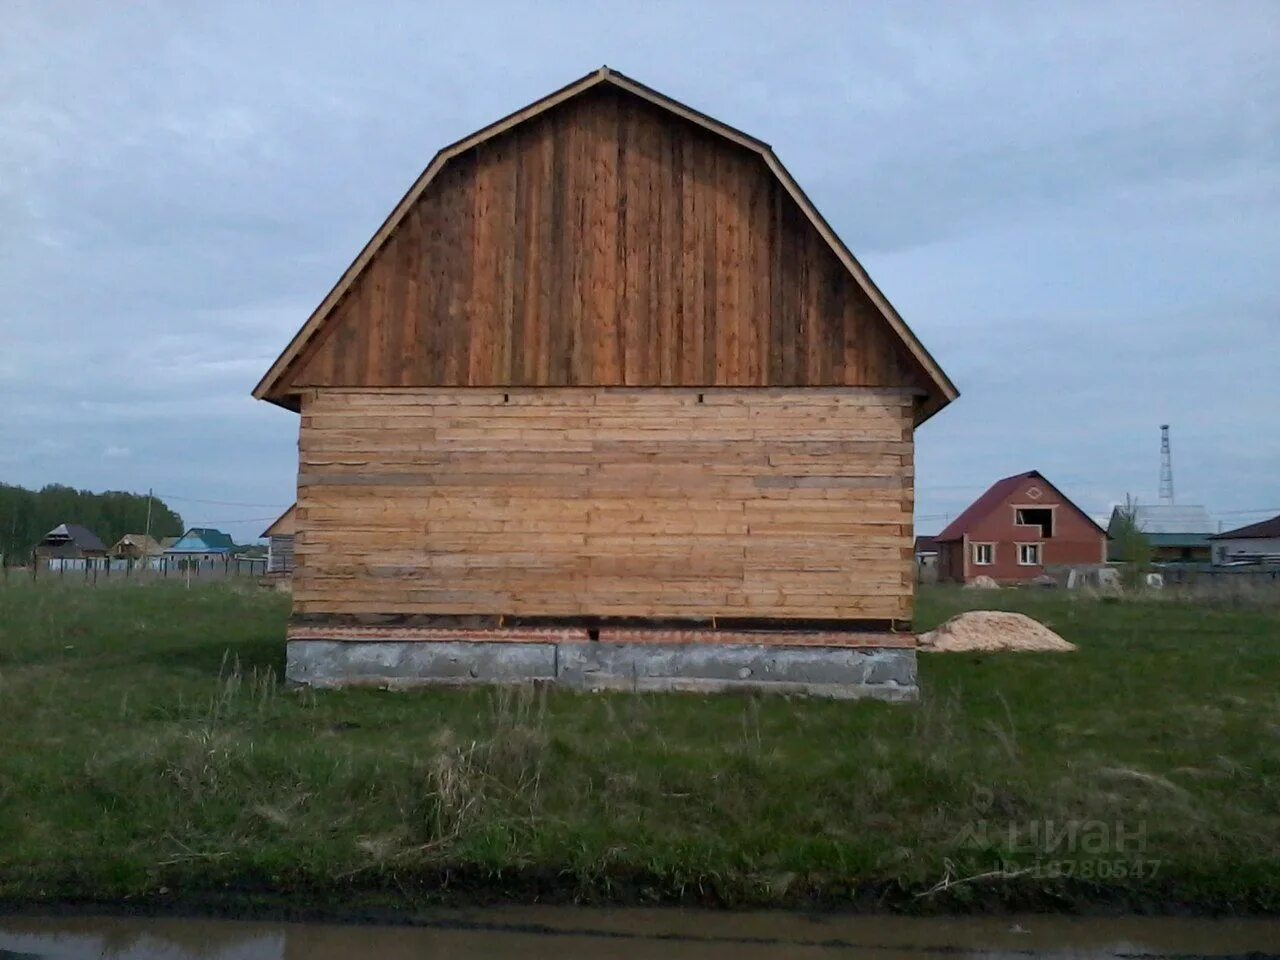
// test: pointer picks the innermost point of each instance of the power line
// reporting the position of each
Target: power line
(199, 523)
(220, 503)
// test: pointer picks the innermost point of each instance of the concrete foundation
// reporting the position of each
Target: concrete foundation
(834, 672)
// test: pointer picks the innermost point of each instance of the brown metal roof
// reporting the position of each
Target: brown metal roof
(1265, 529)
(996, 495)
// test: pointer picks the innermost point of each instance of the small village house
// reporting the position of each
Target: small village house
(1175, 533)
(280, 538)
(1022, 525)
(1255, 543)
(69, 545)
(135, 547)
(606, 401)
(200, 545)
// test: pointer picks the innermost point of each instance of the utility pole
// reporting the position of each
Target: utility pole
(146, 539)
(12, 546)
(1166, 466)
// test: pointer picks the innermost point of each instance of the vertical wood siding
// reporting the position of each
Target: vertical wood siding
(593, 502)
(606, 242)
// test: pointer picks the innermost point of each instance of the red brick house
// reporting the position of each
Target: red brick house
(1021, 525)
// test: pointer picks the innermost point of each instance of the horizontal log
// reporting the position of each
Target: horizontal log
(601, 502)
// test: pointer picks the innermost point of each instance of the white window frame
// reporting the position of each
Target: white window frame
(983, 563)
(1039, 561)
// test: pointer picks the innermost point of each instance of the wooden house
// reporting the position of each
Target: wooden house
(135, 546)
(1020, 526)
(69, 544)
(280, 539)
(605, 392)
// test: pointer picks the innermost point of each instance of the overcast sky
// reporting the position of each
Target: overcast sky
(1076, 207)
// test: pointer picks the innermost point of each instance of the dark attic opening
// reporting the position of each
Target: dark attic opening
(1041, 517)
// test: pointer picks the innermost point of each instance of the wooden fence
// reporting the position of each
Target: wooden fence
(1192, 574)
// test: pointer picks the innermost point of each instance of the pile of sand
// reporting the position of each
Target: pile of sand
(982, 582)
(989, 630)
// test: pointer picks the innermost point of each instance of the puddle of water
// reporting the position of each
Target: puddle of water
(571, 933)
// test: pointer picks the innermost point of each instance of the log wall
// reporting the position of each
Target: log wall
(280, 554)
(658, 504)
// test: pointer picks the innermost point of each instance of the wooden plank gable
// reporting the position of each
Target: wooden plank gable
(606, 236)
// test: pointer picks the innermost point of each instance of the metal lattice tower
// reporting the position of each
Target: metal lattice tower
(1166, 466)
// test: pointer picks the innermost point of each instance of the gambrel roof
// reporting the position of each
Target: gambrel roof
(276, 384)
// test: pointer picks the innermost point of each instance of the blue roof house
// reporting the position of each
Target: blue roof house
(200, 544)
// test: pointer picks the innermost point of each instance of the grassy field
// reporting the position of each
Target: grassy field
(149, 754)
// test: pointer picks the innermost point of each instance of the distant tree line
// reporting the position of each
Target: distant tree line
(27, 515)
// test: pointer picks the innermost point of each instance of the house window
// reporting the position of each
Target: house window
(1041, 517)
(1029, 554)
(984, 554)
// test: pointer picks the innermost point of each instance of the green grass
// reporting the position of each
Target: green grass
(148, 752)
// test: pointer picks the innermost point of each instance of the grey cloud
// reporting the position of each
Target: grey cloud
(1078, 209)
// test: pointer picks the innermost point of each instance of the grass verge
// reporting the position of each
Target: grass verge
(149, 754)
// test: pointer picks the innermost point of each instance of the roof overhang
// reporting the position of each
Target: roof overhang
(282, 525)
